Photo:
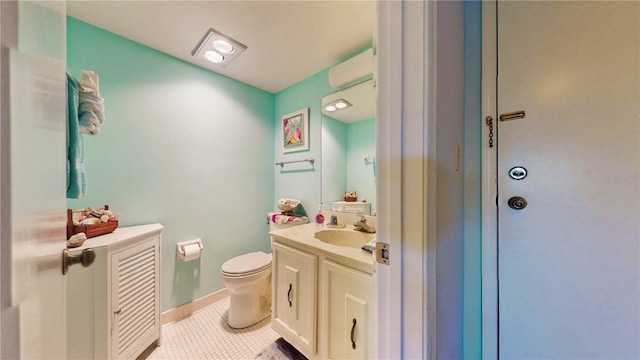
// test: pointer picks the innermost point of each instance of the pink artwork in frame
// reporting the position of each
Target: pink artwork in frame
(295, 131)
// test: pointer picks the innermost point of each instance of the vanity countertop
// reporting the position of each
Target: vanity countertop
(303, 237)
(121, 236)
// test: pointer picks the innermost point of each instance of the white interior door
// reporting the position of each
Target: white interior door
(569, 263)
(33, 179)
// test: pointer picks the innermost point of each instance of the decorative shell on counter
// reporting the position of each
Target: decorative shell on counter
(76, 240)
(91, 216)
(288, 204)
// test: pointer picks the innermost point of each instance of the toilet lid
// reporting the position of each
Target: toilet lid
(247, 263)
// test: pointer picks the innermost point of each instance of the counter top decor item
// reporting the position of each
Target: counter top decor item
(76, 240)
(92, 222)
(288, 205)
(350, 196)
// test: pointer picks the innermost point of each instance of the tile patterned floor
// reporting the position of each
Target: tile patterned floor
(206, 335)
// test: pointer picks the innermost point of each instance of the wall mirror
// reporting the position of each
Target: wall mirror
(349, 144)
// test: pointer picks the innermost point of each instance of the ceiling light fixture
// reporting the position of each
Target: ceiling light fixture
(213, 56)
(223, 46)
(218, 48)
(335, 105)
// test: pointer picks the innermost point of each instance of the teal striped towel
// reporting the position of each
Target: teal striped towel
(76, 177)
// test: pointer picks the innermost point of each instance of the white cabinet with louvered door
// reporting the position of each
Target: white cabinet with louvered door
(113, 306)
(348, 301)
(294, 297)
(135, 298)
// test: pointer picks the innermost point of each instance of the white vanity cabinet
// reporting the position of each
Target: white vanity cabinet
(294, 297)
(317, 295)
(113, 306)
(348, 308)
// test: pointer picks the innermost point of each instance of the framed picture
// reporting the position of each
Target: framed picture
(295, 131)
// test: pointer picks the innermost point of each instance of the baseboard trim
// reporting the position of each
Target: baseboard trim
(184, 311)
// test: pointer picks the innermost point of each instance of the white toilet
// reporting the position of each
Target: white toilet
(248, 278)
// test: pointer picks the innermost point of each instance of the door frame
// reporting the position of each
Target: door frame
(9, 320)
(406, 120)
(490, 311)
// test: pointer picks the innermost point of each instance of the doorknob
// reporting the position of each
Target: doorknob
(86, 258)
(517, 203)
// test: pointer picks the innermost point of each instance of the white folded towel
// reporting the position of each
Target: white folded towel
(90, 82)
(90, 104)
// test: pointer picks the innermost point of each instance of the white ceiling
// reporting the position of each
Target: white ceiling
(287, 41)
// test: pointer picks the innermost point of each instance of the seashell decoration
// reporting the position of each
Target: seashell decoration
(89, 213)
(90, 221)
(93, 222)
(76, 240)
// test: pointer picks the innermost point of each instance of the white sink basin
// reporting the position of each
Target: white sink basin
(347, 238)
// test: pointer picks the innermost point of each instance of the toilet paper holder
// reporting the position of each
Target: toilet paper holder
(182, 245)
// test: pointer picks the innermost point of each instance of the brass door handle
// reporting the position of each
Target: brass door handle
(86, 258)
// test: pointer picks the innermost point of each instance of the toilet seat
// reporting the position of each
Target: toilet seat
(247, 264)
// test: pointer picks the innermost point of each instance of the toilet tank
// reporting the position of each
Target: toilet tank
(278, 221)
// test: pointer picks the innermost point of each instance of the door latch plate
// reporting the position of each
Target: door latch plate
(382, 253)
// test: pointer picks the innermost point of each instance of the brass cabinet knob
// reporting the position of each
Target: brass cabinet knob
(86, 258)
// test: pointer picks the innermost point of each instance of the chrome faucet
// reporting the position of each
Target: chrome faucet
(360, 224)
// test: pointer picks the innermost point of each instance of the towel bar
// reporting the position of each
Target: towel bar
(283, 163)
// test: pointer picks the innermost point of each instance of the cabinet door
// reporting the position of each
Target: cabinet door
(294, 297)
(348, 298)
(135, 299)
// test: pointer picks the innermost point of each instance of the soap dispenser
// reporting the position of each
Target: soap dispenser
(319, 217)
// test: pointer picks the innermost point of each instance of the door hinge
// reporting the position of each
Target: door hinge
(382, 253)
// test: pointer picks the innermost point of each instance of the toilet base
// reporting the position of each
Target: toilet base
(247, 310)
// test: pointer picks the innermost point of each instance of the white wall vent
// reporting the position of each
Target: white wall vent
(355, 68)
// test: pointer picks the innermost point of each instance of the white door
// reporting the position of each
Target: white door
(569, 262)
(33, 179)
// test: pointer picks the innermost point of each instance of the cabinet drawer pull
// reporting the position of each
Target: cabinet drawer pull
(353, 330)
(289, 295)
(117, 312)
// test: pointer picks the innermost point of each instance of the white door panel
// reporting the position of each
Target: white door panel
(33, 170)
(569, 279)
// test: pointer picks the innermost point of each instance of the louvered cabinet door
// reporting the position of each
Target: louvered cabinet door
(135, 299)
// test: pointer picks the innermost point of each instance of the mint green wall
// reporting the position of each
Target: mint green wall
(334, 156)
(361, 137)
(301, 180)
(181, 146)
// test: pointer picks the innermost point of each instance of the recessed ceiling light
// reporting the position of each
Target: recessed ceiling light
(218, 48)
(213, 56)
(223, 46)
(337, 104)
(341, 105)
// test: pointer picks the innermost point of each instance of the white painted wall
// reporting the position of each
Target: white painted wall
(449, 242)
